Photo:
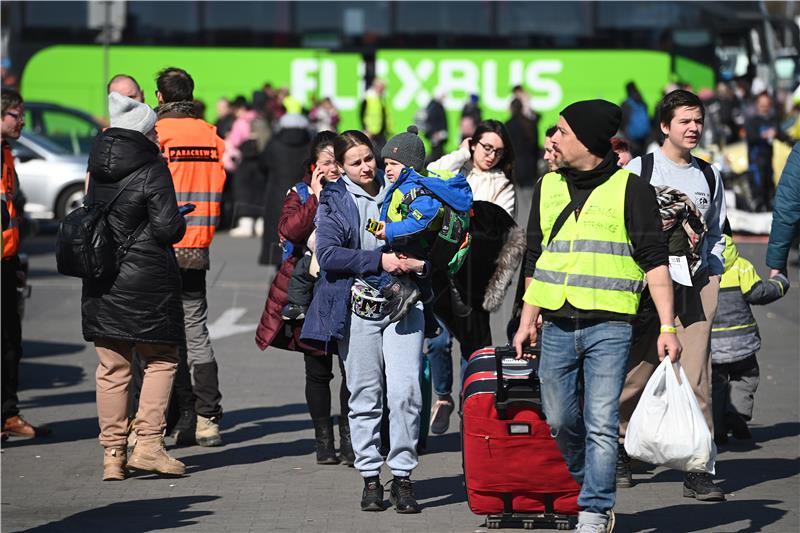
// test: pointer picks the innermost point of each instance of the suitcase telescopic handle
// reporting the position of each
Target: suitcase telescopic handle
(520, 392)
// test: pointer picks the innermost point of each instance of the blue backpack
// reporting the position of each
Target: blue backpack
(304, 193)
(639, 120)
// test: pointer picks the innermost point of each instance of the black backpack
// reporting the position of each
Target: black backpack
(85, 246)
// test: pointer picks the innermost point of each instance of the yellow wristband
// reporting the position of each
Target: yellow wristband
(666, 328)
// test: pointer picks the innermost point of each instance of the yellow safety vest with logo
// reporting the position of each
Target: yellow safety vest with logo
(589, 261)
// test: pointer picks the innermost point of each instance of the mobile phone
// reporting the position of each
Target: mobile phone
(185, 209)
(313, 167)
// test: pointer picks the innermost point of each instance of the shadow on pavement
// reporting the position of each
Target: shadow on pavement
(48, 375)
(245, 455)
(762, 434)
(700, 517)
(440, 491)
(132, 517)
(47, 348)
(256, 430)
(62, 431)
(738, 474)
(52, 400)
(254, 414)
(449, 442)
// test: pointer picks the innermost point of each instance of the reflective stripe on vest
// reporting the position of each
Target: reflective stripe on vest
(7, 185)
(194, 156)
(589, 262)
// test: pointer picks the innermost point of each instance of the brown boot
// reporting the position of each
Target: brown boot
(114, 464)
(149, 455)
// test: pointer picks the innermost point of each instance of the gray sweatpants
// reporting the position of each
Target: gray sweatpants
(378, 354)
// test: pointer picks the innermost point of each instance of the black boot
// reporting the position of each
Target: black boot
(346, 452)
(184, 431)
(402, 496)
(624, 477)
(323, 433)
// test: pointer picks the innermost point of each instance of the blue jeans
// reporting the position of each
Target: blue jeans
(588, 440)
(441, 360)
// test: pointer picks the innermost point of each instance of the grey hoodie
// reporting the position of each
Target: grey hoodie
(368, 207)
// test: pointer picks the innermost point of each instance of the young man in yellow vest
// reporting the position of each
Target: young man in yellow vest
(595, 238)
(14, 425)
(194, 154)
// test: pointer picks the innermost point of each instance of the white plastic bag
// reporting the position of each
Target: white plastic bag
(667, 427)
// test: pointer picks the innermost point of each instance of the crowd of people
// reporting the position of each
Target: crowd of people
(368, 279)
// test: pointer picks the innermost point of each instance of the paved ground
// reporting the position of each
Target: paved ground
(265, 478)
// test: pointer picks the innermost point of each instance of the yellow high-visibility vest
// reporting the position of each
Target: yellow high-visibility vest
(589, 263)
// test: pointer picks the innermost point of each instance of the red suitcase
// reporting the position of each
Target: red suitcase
(513, 469)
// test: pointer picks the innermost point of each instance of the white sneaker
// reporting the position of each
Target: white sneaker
(606, 527)
(258, 229)
(244, 228)
(440, 416)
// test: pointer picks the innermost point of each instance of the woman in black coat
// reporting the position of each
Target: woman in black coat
(139, 308)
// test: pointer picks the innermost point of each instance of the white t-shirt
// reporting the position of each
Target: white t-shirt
(691, 181)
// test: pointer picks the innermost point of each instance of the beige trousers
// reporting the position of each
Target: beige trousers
(113, 377)
(695, 360)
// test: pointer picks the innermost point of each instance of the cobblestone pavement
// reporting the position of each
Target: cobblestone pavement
(265, 479)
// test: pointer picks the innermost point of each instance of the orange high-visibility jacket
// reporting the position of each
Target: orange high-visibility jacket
(193, 151)
(7, 192)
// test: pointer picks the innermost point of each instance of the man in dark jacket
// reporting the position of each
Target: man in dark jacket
(761, 130)
(786, 216)
(524, 133)
(436, 128)
(282, 164)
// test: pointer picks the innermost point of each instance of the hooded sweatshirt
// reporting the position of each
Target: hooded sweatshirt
(368, 207)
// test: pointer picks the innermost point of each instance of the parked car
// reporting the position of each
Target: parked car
(50, 177)
(72, 129)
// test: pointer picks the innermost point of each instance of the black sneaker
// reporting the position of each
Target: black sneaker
(738, 427)
(401, 297)
(402, 496)
(701, 487)
(293, 312)
(624, 477)
(372, 497)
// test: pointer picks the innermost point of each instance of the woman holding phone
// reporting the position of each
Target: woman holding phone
(295, 225)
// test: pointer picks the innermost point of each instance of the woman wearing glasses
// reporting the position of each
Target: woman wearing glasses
(486, 160)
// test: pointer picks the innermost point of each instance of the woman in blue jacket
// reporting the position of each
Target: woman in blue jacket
(347, 311)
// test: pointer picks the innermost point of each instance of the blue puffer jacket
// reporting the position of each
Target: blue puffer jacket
(786, 215)
(340, 260)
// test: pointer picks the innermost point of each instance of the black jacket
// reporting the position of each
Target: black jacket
(282, 163)
(143, 302)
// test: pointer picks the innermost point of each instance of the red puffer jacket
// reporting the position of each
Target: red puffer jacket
(295, 224)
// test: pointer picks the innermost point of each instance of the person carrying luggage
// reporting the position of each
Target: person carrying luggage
(599, 236)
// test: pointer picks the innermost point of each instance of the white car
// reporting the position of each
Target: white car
(50, 177)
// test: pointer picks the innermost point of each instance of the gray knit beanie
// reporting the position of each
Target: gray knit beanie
(407, 148)
(128, 114)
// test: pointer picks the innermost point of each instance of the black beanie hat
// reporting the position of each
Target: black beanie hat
(407, 148)
(594, 123)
